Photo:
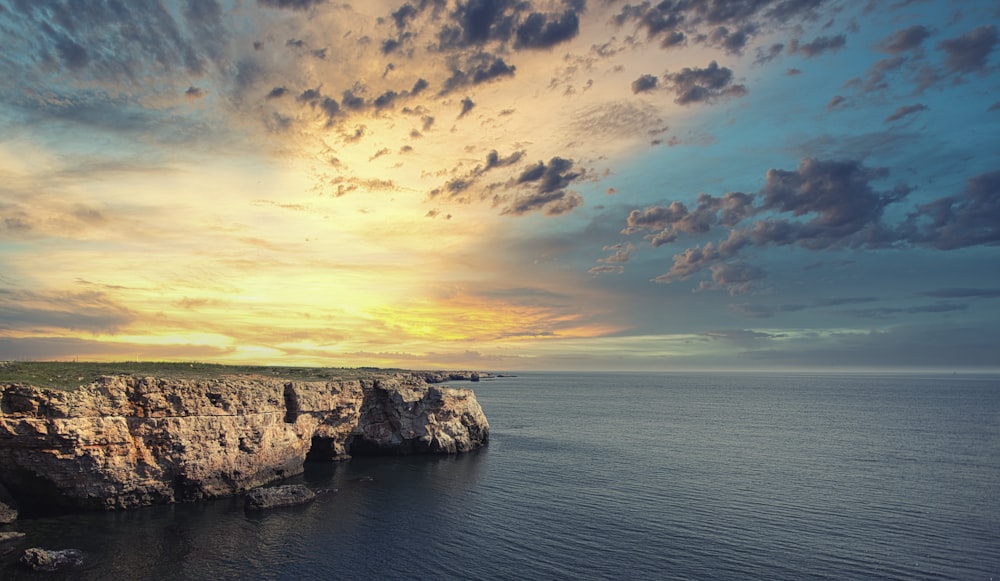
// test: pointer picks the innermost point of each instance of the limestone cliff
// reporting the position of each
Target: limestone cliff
(127, 441)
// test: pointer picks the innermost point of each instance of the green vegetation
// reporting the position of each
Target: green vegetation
(70, 375)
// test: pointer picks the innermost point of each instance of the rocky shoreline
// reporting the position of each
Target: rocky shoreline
(128, 441)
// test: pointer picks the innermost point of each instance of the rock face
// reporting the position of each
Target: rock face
(127, 441)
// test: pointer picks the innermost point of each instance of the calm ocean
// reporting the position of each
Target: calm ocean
(620, 476)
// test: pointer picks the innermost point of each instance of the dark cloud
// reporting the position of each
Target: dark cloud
(419, 86)
(905, 40)
(548, 183)
(817, 46)
(820, 205)
(549, 203)
(385, 100)
(552, 177)
(193, 92)
(875, 78)
(971, 218)
(694, 85)
(644, 83)
(351, 101)
(277, 92)
(544, 31)
(404, 15)
(835, 102)
(710, 211)
(476, 22)
(994, 107)
(479, 68)
(456, 188)
(72, 54)
(905, 111)
(467, 105)
(730, 25)
(970, 52)
(732, 41)
(766, 55)
(291, 4)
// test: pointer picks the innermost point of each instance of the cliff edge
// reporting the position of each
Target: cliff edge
(127, 441)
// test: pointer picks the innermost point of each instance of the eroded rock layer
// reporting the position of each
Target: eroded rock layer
(127, 441)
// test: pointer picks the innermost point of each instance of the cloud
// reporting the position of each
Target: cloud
(467, 105)
(195, 92)
(606, 269)
(759, 311)
(737, 278)
(458, 187)
(622, 253)
(30, 311)
(548, 193)
(817, 46)
(478, 69)
(730, 25)
(291, 4)
(745, 337)
(543, 31)
(819, 206)
(964, 293)
(971, 218)
(644, 83)
(694, 85)
(766, 55)
(905, 111)
(835, 102)
(970, 52)
(905, 40)
(888, 312)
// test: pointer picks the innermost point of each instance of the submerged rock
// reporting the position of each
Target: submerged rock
(45, 560)
(278, 496)
(8, 536)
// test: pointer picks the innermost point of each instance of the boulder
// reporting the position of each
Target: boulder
(278, 496)
(8, 536)
(45, 560)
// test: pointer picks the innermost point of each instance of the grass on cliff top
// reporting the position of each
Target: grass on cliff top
(70, 375)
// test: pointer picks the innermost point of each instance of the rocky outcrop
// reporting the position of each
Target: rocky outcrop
(127, 441)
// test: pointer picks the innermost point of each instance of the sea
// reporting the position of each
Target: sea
(617, 476)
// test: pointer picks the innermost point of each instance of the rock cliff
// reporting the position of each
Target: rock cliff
(127, 441)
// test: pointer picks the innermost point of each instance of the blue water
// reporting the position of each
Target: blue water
(620, 476)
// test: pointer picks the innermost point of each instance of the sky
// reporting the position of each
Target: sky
(502, 184)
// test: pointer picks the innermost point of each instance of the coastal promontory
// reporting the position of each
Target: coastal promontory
(127, 440)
